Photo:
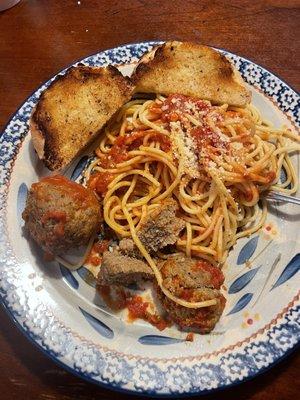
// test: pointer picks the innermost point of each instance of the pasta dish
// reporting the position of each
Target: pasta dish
(180, 166)
(214, 161)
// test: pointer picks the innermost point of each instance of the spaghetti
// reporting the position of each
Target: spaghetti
(215, 161)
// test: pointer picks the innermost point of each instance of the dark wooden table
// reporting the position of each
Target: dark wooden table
(40, 37)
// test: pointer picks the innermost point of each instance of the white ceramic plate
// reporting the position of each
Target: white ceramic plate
(60, 311)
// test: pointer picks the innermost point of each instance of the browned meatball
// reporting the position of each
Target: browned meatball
(192, 280)
(61, 214)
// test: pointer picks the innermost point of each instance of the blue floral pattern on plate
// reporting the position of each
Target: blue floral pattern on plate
(247, 250)
(98, 325)
(289, 271)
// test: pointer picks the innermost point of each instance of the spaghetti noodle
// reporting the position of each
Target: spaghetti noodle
(215, 161)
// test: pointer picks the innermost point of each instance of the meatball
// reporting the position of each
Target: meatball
(192, 280)
(60, 214)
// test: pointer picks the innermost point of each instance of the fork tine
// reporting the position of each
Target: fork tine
(282, 197)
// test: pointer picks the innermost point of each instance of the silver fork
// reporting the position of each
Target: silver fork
(271, 195)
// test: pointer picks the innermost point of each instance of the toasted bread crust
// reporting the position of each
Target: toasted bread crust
(73, 109)
(37, 139)
(193, 70)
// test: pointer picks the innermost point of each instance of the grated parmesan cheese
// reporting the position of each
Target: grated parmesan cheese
(197, 138)
(237, 145)
(184, 148)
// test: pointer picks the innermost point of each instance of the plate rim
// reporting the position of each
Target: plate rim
(29, 335)
(146, 394)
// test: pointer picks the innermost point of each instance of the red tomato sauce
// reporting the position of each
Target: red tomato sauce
(99, 182)
(123, 144)
(117, 154)
(118, 299)
(248, 195)
(216, 275)
(73, 189)
(176, 105)
(270, 176)
(101, 246)
(189, 337)
(95, 260)
(204, 137)
(119, 150)
(164, 141)
(137, 308)
(186, 294)
(95, 255)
